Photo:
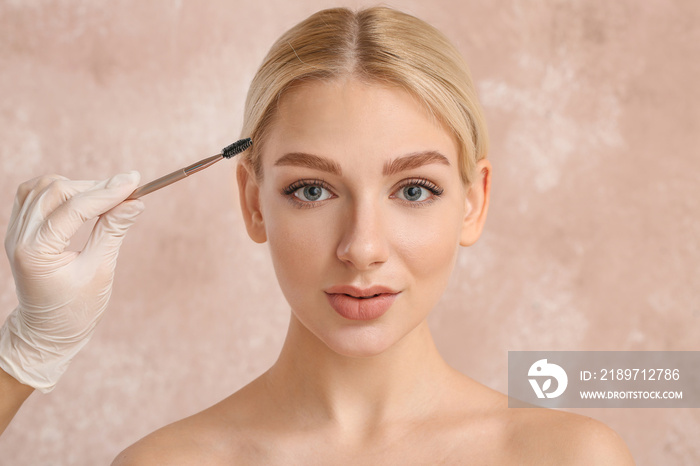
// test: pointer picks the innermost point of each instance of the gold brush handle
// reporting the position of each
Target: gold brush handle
(228, 152)
(177, 175)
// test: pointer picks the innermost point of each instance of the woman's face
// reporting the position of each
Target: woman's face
(363, 207)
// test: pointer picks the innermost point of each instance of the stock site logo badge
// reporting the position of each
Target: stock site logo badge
(546, 371)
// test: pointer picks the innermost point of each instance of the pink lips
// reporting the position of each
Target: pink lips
(361, 303)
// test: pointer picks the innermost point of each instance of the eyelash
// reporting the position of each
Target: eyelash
(294, 187)
(423, 183)
(289, 191)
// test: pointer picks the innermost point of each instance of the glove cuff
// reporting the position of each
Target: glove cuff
(37, 367)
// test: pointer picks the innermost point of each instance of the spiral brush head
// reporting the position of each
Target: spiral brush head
(236, 148)
(228, 152)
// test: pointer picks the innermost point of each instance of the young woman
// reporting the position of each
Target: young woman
(367, 173)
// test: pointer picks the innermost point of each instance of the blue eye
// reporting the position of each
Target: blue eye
(312, 193)
(306, 193)
(413, 193)
(418, 191)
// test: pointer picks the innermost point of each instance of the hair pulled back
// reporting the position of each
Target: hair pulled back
(376, 45)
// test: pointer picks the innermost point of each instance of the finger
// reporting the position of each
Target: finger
(40, 201)
(54, 233)
(34, 186)
(37, 185)
(26, 194)
(57, 193)
(108, 234)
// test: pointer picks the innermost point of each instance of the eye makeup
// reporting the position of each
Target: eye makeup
(410, 192)
(307, 186)
(423, 183)
(310, 192)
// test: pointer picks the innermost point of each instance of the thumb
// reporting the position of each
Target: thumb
(106, 238)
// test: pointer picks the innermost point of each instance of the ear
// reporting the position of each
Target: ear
(249, 195)
(477, 204)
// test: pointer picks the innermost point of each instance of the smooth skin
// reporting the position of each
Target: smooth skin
(12, 395)
(338, 205)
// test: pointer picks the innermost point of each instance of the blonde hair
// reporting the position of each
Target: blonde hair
(379, 45)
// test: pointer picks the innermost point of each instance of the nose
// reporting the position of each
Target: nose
(364, 242)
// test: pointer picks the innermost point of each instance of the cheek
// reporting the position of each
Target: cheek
(428, 244)
(299, 246)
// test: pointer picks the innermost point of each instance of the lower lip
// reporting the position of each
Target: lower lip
(361, 309)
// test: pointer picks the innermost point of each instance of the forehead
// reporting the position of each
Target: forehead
(347, 117)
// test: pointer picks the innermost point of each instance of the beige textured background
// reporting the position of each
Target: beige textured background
(592, 240)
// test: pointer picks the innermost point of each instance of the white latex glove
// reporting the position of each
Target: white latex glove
(62, 294)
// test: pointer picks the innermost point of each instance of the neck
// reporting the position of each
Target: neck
(357, 393)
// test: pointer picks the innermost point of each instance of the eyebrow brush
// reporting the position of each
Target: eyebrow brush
(226, 153)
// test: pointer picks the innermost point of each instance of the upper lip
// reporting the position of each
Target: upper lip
(358, 292)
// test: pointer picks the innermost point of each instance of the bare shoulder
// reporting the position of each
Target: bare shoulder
(490, 432)
(160, 447)
(182, 443)
(222, 434)
(554, 437)
(211, 437)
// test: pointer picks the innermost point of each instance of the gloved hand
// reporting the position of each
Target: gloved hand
(62, 294)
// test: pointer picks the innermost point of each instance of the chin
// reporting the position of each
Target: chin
(360, 342)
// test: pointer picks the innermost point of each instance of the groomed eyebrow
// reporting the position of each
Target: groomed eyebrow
(397, 165)
(415, 160)
(302, 159)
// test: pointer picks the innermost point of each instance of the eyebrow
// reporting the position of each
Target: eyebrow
(302, 159)
(397, 165)
(414, 160)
